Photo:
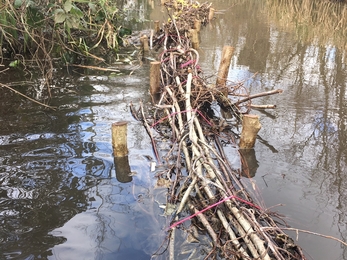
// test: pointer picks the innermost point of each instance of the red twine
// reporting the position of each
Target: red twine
(212, 206)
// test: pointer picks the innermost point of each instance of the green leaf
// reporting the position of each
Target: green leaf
(124, 31)
(14, 64)
(72, 22)
(34, 16)
(30, 3)
(59, 16)
(17, 3)
(67, 6)
(76, 12)
(92, 7)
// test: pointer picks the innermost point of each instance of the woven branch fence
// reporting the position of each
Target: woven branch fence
(201, 181)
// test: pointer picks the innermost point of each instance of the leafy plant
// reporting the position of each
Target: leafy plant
(14, 64)
(70, 15)
(80, 24)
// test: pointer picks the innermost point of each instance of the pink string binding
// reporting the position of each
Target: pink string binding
(212, 206)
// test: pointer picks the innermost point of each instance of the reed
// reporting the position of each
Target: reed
(320, 21)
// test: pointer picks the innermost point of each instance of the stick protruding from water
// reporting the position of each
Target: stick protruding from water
(119, 139)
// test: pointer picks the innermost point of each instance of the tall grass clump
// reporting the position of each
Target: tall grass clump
(322, 21)
(46, 30)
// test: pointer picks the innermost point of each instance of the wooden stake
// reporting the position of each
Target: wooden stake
(211, 14)
(195, 38)
(156, 27)
(144, 42)
(151, 3)
(224, 65)
(122, 168)
(175, 5)
(197, 25)
(250, 129)
(154, 79)
(119, 139)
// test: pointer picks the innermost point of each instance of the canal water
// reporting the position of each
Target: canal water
(61, 198)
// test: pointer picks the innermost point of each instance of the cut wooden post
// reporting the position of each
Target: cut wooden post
(122, 169)
(197, 25)
(144, 42)
(224, 65)
(211, 14)
(195, 38)
(154, 80)
(156, 27)
(151, 3)
(119, 139)
(175, 5)
(250, 129)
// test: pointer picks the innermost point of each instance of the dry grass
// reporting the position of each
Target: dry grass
(321, 21)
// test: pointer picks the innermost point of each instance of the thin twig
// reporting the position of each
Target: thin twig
(95, 68)
(272, 92)
(308, 232)
(150, 134)
(29, 98)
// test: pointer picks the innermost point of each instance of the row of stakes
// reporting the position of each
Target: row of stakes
(250, 123)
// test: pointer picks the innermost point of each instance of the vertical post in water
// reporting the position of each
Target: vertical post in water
(195, 38)
(154, 79)
(224, 65)
(156, 27)
(197, 24)
(144, 42)
(211, 14)
(119, 139)
(250, 129)
(151, 3)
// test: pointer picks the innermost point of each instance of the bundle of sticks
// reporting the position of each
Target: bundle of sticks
(203, 186)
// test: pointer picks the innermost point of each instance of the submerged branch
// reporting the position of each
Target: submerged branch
(29, 98)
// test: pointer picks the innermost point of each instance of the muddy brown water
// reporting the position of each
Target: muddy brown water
(60, 197)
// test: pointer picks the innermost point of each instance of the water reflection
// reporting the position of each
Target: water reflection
(122, 169)
(301, 150)
(250, 164)
(56, 165)
(37, 193)
(114, 227)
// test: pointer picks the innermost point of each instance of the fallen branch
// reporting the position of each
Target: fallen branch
(263, 106)
(149, 133)
(268, 93)
(308, 232)
(29, 98)
(95, 68)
